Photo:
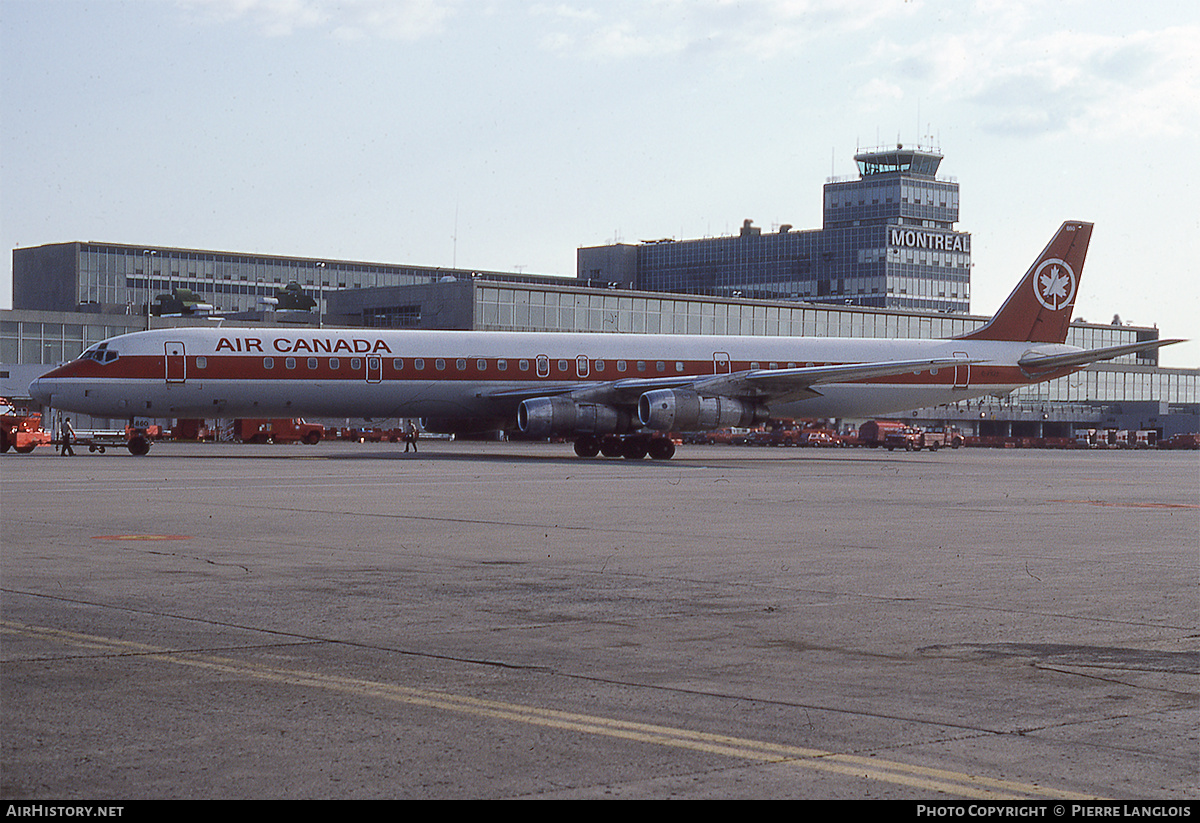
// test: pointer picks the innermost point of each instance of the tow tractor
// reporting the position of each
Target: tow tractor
(20, 430)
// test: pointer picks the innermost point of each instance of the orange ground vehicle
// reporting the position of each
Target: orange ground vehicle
(939, 436)
(280, 430)
(373, 435)
(908, 438)
(192, 429)
(911, 438)
(874, 433)
(20, 430)
(1181, 441)
(819, 437)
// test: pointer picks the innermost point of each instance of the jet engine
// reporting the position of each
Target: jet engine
(680, 410)
(548, 416)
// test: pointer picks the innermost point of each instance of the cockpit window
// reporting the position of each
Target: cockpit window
(101, 353)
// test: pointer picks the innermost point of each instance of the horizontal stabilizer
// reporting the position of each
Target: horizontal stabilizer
(1035, 362)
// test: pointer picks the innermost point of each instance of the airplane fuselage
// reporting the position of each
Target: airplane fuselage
(483, 376)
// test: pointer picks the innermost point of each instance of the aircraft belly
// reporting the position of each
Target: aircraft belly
(296, 398)
(283, 398)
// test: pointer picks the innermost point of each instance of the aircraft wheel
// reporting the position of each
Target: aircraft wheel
(610, 447)
(138, 446)
(587, 446)
(661, 448)
(634, 448)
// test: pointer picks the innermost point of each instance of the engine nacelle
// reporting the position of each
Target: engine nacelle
(676, 410)
(549, 416)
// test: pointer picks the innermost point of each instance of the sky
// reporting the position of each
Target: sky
(503, 135)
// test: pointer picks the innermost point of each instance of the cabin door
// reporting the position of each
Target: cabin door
(176, 361)
(962, 373)
(721, 362)
(374, 369)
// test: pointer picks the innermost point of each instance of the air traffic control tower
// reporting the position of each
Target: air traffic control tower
(894, 228)
(887, 241)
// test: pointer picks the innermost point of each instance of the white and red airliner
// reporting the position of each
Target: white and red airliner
(613, 393)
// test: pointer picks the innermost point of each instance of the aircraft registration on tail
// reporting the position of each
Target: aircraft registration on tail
(616, 394)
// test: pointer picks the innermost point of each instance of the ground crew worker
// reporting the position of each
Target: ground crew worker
(410, 438)
(68, 436)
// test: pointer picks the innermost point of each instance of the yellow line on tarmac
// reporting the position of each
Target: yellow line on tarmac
(885, 771)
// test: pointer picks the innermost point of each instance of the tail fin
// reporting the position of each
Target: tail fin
(1039, 309)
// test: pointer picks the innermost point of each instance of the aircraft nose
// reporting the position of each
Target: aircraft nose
(41, 390)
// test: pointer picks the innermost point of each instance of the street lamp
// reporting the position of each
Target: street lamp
(320, 294)
(146, 255)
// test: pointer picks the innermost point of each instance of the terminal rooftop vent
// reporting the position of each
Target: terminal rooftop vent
(179, 303)
(292, 298)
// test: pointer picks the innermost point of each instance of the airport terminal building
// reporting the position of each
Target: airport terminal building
(117, 278)
(887, 240)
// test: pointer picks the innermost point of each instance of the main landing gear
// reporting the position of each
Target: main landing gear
(629, 446)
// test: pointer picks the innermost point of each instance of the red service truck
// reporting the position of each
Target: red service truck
(280, 430)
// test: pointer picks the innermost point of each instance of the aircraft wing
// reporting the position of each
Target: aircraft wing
(1035, 361)
(769, 385)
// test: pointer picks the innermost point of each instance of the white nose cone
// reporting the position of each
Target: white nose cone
(41, 391)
